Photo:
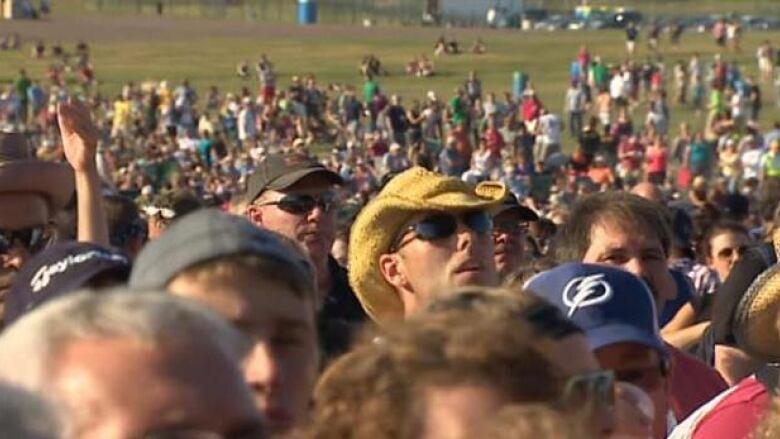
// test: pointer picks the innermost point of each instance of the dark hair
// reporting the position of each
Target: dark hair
(716, 229)
(124, 221)
(629, 212)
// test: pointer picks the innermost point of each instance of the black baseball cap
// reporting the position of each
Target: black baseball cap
(511, 203)
(61, 269)
(278, 172)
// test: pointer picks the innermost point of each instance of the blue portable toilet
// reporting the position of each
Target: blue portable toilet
(307, 12)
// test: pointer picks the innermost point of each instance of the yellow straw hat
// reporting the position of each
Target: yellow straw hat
(379, 222)
(756, 319)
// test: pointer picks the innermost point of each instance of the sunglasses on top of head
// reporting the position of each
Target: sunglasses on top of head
(32, 239)
(300, 204)
(443, 225)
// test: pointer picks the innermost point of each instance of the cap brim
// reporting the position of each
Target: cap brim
(524, 213)
(287, 180)
(52, 180)
(614, 333)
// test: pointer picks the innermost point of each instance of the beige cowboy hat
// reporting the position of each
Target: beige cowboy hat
(757, 317)
(21, 172)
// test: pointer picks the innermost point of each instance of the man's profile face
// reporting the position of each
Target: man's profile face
(314, 230)
(431, 267)
(282, 367)
(638, 252)
(125, 388)
(19, 213)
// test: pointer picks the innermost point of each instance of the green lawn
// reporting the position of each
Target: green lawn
(544, 56)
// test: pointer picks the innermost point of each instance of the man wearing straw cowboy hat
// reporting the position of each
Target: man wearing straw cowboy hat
(423, 234)
(736, 412)
(32, 192)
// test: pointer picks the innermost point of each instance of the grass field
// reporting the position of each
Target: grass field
(207, 51)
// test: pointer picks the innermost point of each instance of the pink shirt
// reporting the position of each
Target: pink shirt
(738, 414)
(656, 160)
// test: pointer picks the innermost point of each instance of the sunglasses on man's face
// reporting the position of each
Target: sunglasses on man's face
(443, 225)
(596, 387)
(510, 228)
(31, 239)
(302, 204)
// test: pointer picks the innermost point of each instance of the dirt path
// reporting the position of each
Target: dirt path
(96, 29)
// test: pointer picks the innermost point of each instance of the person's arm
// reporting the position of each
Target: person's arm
(79, 140)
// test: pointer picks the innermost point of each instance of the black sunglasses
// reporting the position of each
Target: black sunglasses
(33, 239)
(303, 204)
(443, 225)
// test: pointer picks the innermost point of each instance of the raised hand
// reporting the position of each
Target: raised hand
(79, 135)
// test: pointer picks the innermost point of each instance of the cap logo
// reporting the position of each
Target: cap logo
(585, 291)
(45, 274)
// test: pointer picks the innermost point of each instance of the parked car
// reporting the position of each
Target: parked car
(622, 18)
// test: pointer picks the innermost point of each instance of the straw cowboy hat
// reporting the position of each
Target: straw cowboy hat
(21, 172)
(756, 320)
(378, 223)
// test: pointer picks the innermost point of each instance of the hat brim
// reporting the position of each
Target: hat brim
(52, 180)
(287, 180)
(756, 317)
(614, 333)
(375, 229)
(524, 213)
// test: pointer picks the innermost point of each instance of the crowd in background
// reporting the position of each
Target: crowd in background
(334, 261)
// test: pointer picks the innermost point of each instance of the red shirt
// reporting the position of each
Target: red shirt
(656, 160)
(495, 141)
(738, 414)
(692, 383)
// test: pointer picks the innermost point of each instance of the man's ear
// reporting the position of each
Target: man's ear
(391, 267)
(254, 214)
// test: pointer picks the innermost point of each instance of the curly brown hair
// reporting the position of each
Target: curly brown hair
(378, 390)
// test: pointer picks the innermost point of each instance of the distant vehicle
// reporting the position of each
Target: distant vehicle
(622, 18)
(759, 23)
(554, 23)
(534, 14)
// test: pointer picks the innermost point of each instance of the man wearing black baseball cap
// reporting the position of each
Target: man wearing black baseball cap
(510, 226)
(295, 197)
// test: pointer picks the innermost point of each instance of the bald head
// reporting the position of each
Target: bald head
(648, 191)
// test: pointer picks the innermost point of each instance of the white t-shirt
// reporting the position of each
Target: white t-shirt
(550, 125)
(750, 163)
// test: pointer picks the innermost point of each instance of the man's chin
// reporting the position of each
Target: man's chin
(473, 278)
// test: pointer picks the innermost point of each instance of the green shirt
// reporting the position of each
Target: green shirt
(370, 89)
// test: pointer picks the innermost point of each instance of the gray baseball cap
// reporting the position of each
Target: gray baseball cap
(207, 235)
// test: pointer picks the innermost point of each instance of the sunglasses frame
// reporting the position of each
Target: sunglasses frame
(399, 243)
(36, 241)
(598, 392)
(325, 201)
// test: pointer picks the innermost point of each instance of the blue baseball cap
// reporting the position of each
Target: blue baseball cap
(611, 305)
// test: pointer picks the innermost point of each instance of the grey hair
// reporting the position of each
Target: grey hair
(29, 347)
(24, 415)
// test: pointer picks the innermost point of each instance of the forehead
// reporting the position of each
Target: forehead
(251, 302)
(194, 386)
(610, 234)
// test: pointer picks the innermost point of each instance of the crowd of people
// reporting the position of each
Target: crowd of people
(471, 266)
